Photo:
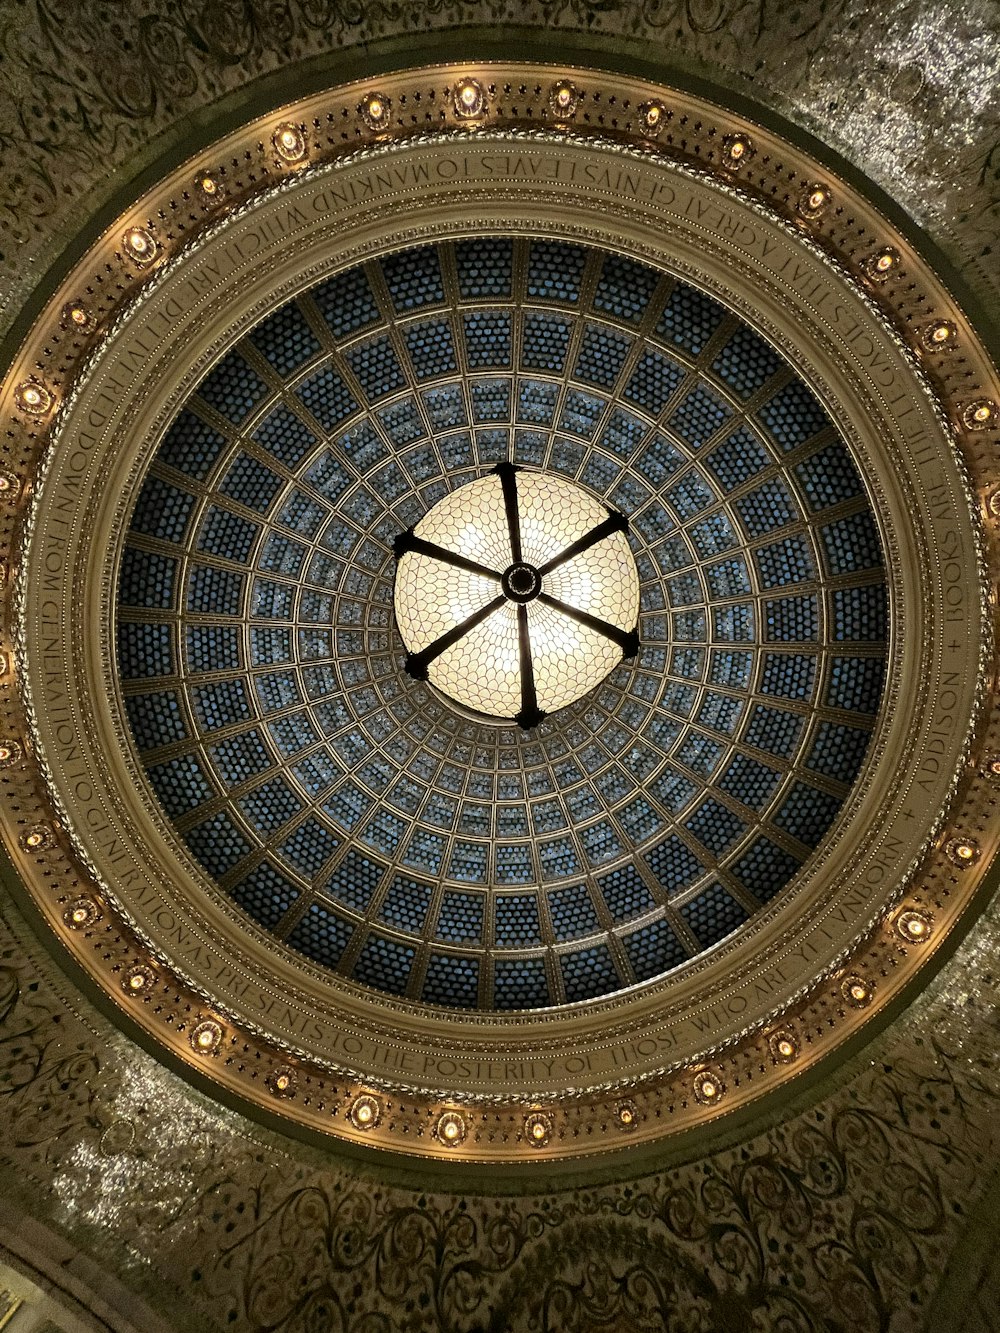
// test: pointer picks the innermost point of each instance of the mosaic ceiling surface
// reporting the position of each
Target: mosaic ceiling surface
(350, 809)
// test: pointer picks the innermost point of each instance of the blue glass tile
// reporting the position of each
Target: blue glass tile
(730, 668)
(413, 278)
(264, 895)
(451, 981)
(653, 950)
(555, 270)
(483, 266)
(405, 905)
(674, 864)
(180, 784)
(786, 561)
(713, 535)
(544, 340)
(856, 683)
(220, 704)
(226, 534)
(303, 514)
(377, 369)
(491, 400)
(659, 460)
(190, 446)
(690, 318)
(828, 476)
(217, 844)
(384, 964)
(715, 826)
(425, 852)
(713, 915)
(271, 601)
(734, 623)
(749, 781)
(162, 510)
(601, 473)
(285, 435)
(852, 543)
(216, 591)
(155, 719)
(765, 869)
(270, 805)
(327, 397)
(430, 348)
(354, 881)
(623, 433)
(728, 578)
(240, 757)
(285, 339)
(251, 483)
(469, 861)
(516, 922)
(746, 362)
(349, 805)
(146, 579)
(277, 689)
(807, 813)
(773, 730)
(859, 614)
(625, 288)
(293, 733)
(792, 620)
(321, 935)
(691, 494)
(600, 843)
(536, 401)
(790, 675)
(487, 339)
(699, 416)
(572, 913)
(838, 750)
(514, 863)
(445, 405)
(346, 302)
(460, 918)
(625, 893)
(144, 650)
(520, 983)
(602, 354)
(721, 712)
(768, 507)
(738, 458)
(232, 388)
(557, 859)
(589, 973)
(309, 847)
(653, 381)
(581, 413)
(640, 820)
(793, 415)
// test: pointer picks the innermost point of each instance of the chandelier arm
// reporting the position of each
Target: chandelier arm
(627, 640)
(614, 522)
(508, 480)
(409, 541)
(417, 663)
(530, 714)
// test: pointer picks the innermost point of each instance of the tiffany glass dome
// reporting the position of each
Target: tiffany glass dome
(360, 816)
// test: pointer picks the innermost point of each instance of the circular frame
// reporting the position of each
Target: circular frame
(802, 284)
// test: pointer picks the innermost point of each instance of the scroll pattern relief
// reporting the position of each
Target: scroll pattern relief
(844, 1216)
(89, 85)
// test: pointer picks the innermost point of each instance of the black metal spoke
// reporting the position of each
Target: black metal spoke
(627, 640)
(507, 472)
(409, 541)
(417, 663)
(530, 714)
(614, 522)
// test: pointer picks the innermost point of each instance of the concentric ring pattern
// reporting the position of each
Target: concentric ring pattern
(349, 810)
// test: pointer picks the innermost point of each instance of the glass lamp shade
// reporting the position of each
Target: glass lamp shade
(517, 594)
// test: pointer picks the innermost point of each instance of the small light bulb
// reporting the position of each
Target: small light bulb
(940, 333)
(469, 99)
(450, 1130)
(786, 1048)
(35, 839)
(4, 483)
(375, 108)
(5, 753)
(136, 981)
(653, 115)
(208, 185)
(364, 1113)
(205, 1038)
(625, 1115)
(859, 991)
(80, 915)
(982, 413)
(817, 199)
(708, 1088)
(884, 263)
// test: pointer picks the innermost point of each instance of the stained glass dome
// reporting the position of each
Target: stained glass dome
(351, 810)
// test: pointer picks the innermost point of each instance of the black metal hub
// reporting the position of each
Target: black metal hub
(521, 582)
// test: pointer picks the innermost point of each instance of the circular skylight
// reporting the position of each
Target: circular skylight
(369, 826)
(517, 594)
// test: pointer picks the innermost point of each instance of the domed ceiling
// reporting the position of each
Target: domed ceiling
(355, 813)
(309, 874)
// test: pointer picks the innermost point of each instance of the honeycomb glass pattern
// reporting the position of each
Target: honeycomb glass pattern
(444, 854)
